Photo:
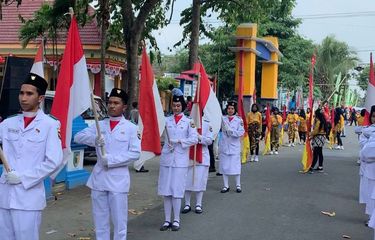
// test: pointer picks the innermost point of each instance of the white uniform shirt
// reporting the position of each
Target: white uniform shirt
(34, 152)
(186, 132)
(206, 139)
(122, 144)
(231, 145)
(366, 168)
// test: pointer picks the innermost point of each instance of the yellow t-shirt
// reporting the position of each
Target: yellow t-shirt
(292, 118)
(360, 120)
(316, 130)
(254, 117)
(302, 124)
(276, 120)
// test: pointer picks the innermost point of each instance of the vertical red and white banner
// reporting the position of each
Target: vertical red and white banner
(151, 115)
(370, 95)
(72, 96)
(38, 67)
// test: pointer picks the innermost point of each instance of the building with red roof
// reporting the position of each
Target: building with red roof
(10, 44)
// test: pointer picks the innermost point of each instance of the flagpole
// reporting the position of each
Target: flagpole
(199, 112)
(4, 160)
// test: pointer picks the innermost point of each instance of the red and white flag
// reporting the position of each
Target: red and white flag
(370, 95)
(37, 67)
(151, 115)
(206, 103)
(72, 96)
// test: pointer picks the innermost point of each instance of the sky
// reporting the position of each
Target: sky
(350, 21)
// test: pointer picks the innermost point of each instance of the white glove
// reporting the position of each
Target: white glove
(229, 132)
(99, 141)
(170, 147)
(12, 177)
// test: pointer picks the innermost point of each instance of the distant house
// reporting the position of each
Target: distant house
(90, 37)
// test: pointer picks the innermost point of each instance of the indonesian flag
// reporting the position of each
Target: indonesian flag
(370, 95)
(204, 101)
(37, 67)
(151, 116)
(72, 96)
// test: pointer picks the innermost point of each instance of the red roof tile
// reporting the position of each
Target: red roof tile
(10, 25)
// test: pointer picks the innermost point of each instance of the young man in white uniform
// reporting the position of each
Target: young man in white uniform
(32, 147)
(110, 180)
(230, 147)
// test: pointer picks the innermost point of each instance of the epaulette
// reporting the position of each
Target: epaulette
(53, 117)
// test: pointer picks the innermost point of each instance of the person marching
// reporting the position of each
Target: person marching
(230, 147)
(32, 146)
(318, 140)
(110, 181)
(302, 126)
(254, 119)
(200, 173)
(292, 120)
(174, 162)
(367, 167)
(338, 120)
(276, 123)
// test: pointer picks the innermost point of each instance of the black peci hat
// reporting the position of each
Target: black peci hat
(181, 100)
(117, 92)
(38, 82)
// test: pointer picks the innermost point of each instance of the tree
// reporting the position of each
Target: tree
(332, 58)
(363, 78)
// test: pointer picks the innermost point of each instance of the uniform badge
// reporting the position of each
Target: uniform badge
(11, 130)
(241, 123)
(59, 133)
(211, 130)
(192, 124)
(139, 135)
(37, 130)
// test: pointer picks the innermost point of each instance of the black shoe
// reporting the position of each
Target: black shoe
(224, 190)
(175, 227)
(142, 170)
(319, 169)
(343, 136)
(238, 189)
(367, 222)
(212, 170)
(198, 209)
(311, 171)
(166, 225)
(219, 174)
(186, 209)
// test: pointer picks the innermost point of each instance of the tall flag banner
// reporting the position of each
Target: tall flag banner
(37, 67)
(267, 146)
(307, 154)
(151, 116)
(370, 95)
(331, 135)
(72, 96)
(282, 126)
(204, 101)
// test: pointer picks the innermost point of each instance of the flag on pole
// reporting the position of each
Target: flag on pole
(282, 126)
(72, 96)
(37, 67)
(208, 104)
(307, 154)
(370, 95)
(151, 115)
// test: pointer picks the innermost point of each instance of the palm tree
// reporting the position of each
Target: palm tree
(333, 57)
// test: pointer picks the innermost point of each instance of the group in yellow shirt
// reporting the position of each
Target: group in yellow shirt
(254, 120)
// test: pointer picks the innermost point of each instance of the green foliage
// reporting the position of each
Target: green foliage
(363, 78)
(333, 57)
(164, 82)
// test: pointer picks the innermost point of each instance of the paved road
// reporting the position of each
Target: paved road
(277, 202)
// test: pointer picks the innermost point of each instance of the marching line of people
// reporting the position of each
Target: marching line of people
(32, 144)
(367, 169)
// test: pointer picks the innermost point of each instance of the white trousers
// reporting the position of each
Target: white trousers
(109, 205)
(19, 224)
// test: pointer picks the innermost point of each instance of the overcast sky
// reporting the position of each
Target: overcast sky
(351, 21)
